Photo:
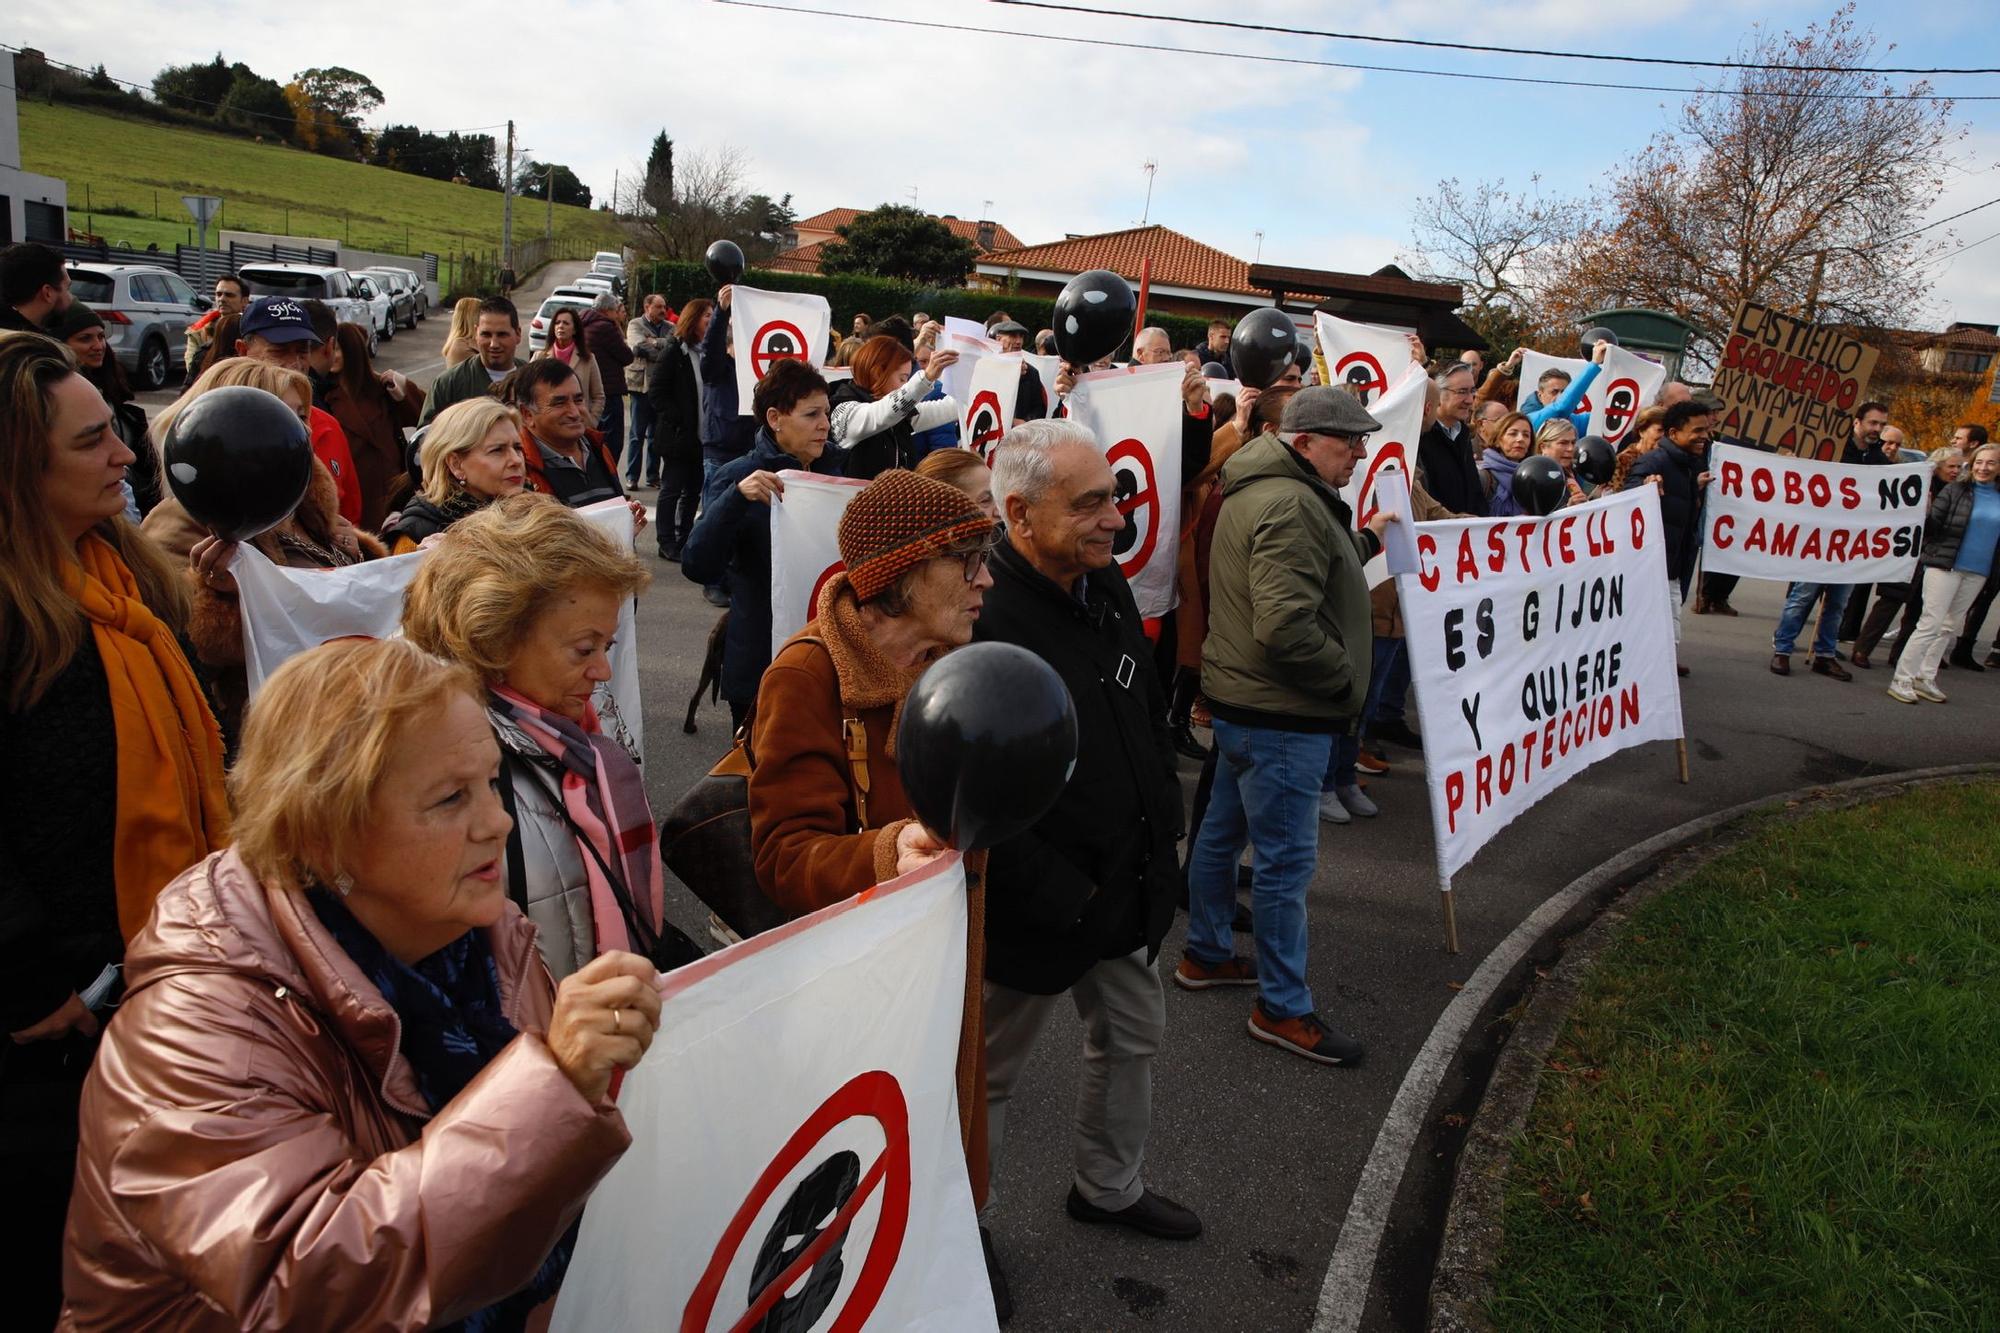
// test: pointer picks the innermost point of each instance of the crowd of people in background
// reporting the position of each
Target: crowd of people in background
(376, 942)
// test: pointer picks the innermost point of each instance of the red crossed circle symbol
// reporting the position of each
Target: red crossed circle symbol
(983, 432)
(1141, 502)
(766, 351)
(875, 1096)
(1362, 371)
(1621, 404)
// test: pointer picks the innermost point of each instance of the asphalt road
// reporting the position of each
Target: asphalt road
(1266, 1147)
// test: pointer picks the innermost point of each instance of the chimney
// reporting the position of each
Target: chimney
(986, 229)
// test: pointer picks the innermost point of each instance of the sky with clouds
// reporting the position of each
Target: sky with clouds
(1050, 138)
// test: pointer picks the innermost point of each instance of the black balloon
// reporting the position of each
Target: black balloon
(725, 262)
(1264, 344)
(1094, 314)
(986, 744)
(1593, 336)
(1540, 486)
(239, 461)
(1596, 460)
(1214, 370)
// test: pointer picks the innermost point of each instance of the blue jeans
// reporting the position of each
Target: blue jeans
(1340, 761)
(643, 418)
(1798, 605)
(1267, 793)
(1388, 683)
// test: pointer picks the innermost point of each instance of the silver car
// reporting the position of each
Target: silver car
(303, 281)
(395, 284)
(146, 311)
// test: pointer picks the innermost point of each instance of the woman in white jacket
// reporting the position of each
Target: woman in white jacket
(877, 414)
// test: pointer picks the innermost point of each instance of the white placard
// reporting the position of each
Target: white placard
(1626, 384)
(1801, 520)
(1135, 414)
(1539, 646)
(768, 327)
(287, 611)
(805, 547)
(801, 1092)
(1390, 449)
(1367, 357)
(987, 411)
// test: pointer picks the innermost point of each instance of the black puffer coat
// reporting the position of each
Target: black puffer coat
(1680, 502)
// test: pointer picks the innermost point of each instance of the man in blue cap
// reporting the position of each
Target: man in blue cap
(277, 330)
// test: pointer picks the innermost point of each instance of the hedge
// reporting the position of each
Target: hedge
(880, 297)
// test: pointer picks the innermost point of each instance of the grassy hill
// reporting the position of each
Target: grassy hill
(140, 169)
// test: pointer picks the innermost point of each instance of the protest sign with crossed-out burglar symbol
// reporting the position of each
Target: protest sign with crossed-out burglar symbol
(779, 340)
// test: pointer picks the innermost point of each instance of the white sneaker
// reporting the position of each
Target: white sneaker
(1902, 693)
(1923, 689)
(1356, 801)
(1331, 810)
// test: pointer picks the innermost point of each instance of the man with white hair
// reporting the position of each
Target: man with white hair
(1080, 902)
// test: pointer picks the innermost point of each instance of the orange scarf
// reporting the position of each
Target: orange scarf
(172, 810)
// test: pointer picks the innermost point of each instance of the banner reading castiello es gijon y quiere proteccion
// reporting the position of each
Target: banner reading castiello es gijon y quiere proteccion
(1539, 647)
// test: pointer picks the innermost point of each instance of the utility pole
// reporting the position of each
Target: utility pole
(614, 192)
(507, 204)
(549, 189)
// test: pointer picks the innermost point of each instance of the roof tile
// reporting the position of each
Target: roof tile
(1178, 260)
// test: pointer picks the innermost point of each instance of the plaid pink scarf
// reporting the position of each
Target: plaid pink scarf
(606, 799)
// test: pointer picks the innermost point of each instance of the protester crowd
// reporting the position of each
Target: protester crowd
(338, 978)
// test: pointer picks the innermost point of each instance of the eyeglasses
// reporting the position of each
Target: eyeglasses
(975, 560)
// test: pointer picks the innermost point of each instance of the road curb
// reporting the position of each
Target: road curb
(1462, 1283)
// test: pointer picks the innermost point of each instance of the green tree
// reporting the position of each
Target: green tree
(535, 179)
(256, 103)
(338, 98)
(656, 187)
(195, 88)
(894, 241)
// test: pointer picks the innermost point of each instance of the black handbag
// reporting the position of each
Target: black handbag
(705, 838)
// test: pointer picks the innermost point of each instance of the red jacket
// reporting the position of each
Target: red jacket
(538, 477)
(329, 444)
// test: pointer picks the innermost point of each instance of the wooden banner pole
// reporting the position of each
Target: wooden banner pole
(1681, 753)
(1450, 914)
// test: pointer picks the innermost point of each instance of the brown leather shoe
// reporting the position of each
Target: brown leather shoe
(1781, 664)
(1860, 659)
(1701, 607)
(1830, 666)
(1721, 609)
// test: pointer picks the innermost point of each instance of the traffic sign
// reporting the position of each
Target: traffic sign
(202, 207)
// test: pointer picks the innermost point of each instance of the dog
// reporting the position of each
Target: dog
(711, 673)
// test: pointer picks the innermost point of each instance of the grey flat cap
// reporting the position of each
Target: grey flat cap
(1325, 410)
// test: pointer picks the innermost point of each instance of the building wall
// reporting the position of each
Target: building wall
(20, 188)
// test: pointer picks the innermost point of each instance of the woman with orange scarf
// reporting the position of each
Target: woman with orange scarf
(112, 773)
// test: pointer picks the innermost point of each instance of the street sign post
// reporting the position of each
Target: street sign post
(202, 207)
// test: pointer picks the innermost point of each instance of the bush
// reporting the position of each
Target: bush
(881, 297)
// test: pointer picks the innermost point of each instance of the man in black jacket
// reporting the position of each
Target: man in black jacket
(1677, 462)
(1080, 902)
(34, 284)
(1448, 451)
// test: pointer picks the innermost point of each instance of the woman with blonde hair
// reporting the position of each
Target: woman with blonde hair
(459, 342)
(342, 1092)
(471, 457)
(526, 592)
(967, 471)
(112, 771)
(1557, 439)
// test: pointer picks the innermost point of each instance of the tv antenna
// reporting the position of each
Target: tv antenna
(1151, 169)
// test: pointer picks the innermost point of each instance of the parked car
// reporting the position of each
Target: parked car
(381, 306)
(538, 327)
(395, 282)
(608, 261)
(577, 291)
(312, 282)
(418, 289)
(146, 311)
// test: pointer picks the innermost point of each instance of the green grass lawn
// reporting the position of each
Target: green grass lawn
(1777, 1105)
(144, 166)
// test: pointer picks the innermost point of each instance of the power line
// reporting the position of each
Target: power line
(1334, 64)
(1470, 46)
(1939, 223)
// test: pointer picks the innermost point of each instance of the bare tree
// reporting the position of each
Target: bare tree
(707, 203)
(1802, 187)
(1491, 241)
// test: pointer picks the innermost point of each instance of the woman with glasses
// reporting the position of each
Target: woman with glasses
(828, 813)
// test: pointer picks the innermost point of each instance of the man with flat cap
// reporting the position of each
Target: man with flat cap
(1285, 669)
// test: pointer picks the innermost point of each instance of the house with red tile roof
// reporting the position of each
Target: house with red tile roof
(801, 254)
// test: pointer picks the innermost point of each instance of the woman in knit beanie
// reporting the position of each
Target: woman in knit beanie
(828, 814)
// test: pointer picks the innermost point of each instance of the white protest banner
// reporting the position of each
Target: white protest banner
(1626, 384)
(969, 340)
(795, 1158)
(805, 546)
(987, 410)
(1539, 646)
(1136, 416)
(1804, 521)
(768, 327)
(1535, 364)
(1367, 357)
(287, 610)
(1391, 449)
